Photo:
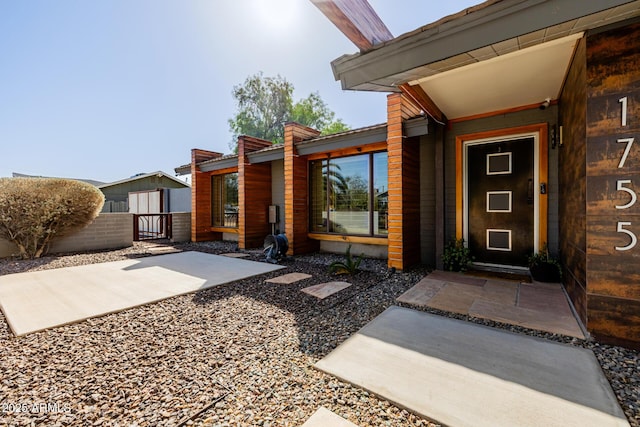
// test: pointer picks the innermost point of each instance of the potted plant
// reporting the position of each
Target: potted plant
(456, 256)
(544, 267)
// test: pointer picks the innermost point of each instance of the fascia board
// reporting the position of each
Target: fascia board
(220, 164)
(498, 22)
(342, 142)
(267, 156)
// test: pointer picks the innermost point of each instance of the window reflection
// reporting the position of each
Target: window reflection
(224, 200)
(349, 195)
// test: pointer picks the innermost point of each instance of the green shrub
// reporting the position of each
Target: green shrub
(456, 256)
(33, 211)
(348, 266)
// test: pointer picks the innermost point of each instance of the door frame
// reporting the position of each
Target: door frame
(541, 175)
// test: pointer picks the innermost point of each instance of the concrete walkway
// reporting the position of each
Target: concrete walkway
(463, 374)
(39, 300)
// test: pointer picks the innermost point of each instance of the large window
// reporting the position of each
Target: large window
(349, 195)
(224, 200)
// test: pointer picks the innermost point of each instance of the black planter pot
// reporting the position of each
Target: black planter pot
(545, 272)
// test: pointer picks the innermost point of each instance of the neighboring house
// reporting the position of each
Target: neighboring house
(152, 192)
(149, 193)
(510, 125)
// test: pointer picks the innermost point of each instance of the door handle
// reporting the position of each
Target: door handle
(530, 192)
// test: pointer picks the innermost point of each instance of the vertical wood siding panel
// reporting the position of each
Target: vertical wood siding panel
(612, 277)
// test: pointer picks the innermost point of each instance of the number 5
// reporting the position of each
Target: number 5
(619, 187)
(634, 239)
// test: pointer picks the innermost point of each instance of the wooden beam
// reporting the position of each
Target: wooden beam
(424, 101)
(357, 20)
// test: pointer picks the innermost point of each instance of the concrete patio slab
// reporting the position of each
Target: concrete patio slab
(463, 374)
(40, 300)
(325, 418)
(289, 278)
(324, 290)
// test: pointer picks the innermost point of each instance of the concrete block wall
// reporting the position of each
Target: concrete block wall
(107, 231)
(181, 226)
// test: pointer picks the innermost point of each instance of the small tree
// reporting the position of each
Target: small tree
(35, 210)
(264, 104)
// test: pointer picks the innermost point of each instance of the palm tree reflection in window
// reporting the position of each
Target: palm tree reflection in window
(341, 195)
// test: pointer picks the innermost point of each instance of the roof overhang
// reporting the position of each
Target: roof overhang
(219, 164)
(469, 63)
(322, 144)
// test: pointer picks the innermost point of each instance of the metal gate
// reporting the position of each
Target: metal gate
(151, 226)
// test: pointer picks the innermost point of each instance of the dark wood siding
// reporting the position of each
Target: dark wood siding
(573, 181)
(612, 276)
(428, 198)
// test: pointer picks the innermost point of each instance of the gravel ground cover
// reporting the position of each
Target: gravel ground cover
(238, 354)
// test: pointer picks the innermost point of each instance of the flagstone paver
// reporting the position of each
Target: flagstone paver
(422, 292)
(541, 306)
(289, 278)
(324, 290)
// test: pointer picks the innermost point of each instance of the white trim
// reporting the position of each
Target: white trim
(498, 230)
(507, 172)
(490, 193)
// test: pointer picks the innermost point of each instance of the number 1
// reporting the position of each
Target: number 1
(623, 101)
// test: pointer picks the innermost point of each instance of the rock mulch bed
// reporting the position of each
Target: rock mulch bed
(237, 354)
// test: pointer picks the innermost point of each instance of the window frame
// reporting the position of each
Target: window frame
(218, 198)
(370, 155)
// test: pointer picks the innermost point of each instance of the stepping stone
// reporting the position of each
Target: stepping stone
(324, 290)
(324, 417)
(287, 279)
(159, 250)
(235, 255)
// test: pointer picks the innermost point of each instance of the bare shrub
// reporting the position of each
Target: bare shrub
(33, 211)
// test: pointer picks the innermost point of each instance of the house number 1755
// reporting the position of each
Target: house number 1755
(620, 184)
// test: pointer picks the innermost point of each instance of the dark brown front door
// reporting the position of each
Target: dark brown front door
(501, 201)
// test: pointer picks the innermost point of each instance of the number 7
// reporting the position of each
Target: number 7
(623, 159)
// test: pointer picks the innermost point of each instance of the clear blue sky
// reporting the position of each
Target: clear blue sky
(105, 89)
